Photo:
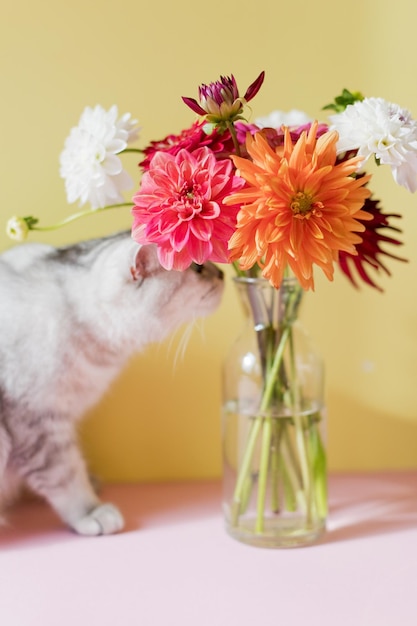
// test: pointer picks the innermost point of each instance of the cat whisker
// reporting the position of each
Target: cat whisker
(182, 336)
(183, 342)
(200, 326)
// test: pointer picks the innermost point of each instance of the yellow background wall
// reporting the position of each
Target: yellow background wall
(161, 419)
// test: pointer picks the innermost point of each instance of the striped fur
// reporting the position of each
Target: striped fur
(70, 318)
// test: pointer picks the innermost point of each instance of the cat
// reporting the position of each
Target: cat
(70, 318)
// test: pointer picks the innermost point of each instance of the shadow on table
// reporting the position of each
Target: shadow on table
(32, 522)
(361, 506)
(365, 505)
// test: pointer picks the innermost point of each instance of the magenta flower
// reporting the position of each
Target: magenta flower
(190, 139)
(221, 143)
(220, 101)
(275, 136)
(179, 207)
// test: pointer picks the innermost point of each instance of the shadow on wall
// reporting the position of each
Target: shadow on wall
(364, 438)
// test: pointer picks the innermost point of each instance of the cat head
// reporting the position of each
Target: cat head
(148, 300)
(194, 292)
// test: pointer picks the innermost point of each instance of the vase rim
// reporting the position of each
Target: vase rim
(260, 280)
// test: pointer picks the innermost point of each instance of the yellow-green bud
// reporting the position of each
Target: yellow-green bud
(17, 228)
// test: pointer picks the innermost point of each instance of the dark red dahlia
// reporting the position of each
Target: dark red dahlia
(370, 249)
(190, 139)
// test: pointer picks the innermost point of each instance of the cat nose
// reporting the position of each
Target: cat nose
(208, 267)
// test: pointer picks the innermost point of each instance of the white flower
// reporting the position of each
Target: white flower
(276, 119)
(89, 165)
(17, 228)
(374, 126)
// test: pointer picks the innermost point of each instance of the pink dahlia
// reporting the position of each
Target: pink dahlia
(179, 207)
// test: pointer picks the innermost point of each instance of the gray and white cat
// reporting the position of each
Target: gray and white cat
(70, 318)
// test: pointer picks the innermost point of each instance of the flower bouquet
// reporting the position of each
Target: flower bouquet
(274, 197)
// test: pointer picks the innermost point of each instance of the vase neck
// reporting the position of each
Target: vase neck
(267, 306)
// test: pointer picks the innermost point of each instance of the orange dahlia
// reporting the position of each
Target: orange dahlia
(300, 206)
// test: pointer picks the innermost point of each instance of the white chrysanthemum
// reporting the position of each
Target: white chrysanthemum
(374, 126)
(276, 119)
(89, 163)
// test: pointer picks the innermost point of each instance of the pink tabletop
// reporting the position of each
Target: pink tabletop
(174, 563)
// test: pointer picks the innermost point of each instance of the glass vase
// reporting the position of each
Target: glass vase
(274, 478)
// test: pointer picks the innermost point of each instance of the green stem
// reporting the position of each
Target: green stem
(80, 214)
(276, 467)
(133, 150)
(271, 378)
(237, 269)
(253, 436)
(290, 448)
(294, 491)
(233, 134)
(305, 465)
(318, 460)
(306, 470)
(245, 469)
(263, 474)
(296, 467)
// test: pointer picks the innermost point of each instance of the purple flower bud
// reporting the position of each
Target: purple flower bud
(220, 101)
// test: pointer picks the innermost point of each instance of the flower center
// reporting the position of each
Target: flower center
(303, 207)
(189, 201)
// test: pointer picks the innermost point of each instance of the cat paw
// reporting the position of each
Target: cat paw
(103, 520)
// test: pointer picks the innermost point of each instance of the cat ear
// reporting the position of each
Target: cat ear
(145, 263)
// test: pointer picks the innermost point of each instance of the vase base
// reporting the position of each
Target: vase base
(277, 535)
